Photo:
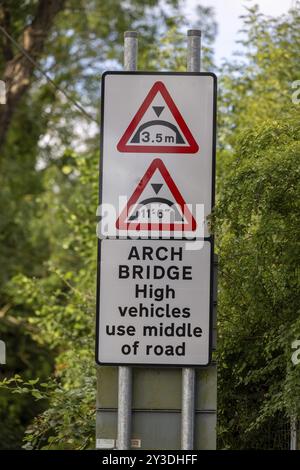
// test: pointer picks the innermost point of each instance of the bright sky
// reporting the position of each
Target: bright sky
(227, 15)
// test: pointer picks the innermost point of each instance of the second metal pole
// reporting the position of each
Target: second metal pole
(125, 372)
(189, 373)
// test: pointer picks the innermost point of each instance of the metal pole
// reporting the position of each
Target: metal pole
(189, 373)
(293, 439)
(125, 372)
(188, 408)
(124, 407)
(130, 50)
(194, 50)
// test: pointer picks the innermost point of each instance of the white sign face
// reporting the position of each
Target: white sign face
(158, 150)
(155, 303)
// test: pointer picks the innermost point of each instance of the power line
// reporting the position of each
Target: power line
(49, 79)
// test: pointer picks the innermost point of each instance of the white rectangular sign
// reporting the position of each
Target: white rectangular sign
(158, 154)
(155, 303)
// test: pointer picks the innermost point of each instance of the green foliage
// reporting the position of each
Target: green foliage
(259, 85)
(60, 308)
(49, 193)
(48, 202)
(168, 51)
(62, 426)
(49, 196)
(257, 220)
(258, 215)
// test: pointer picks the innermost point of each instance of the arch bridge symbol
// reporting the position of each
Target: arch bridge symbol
(137, 136)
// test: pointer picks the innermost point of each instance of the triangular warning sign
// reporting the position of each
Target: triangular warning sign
(129, 218)
(171, 137)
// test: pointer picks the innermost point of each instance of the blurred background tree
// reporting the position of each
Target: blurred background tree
(49, 194)
(53, 54)
(256, 224)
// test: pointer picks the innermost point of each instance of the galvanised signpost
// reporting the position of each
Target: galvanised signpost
(155, 273)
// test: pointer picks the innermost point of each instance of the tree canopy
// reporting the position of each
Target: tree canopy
(49, 161)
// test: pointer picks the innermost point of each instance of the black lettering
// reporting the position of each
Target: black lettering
(110, 330)
(130, 330)
(122, 311)
(148, 330)
(197, 332)
(168, 350)
(126, 349)
(140, 290)
(147, 252)
(158, 350)
(187, 273)
(160, 257)
(186, 312)
(159, 293)
(173, 273)
(134, 253)
(120, 330)
(180, 350)
(170, 292)
(132, 311)
(176, 312)
(137, 271)
(158, 272)
(175, 253)
(123, 271)
(143, 310)
(158, 310)
(169, 330)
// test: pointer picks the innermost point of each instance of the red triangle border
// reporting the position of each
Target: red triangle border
(157, 164)
(122, 146)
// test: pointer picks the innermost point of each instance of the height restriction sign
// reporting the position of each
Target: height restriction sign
(158, 154)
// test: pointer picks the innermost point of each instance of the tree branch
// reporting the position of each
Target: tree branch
(19, 70)
(5, 22)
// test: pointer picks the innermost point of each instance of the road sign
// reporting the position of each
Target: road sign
(137, 136)
(161, 216)
(151, 117)
(155, 303)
